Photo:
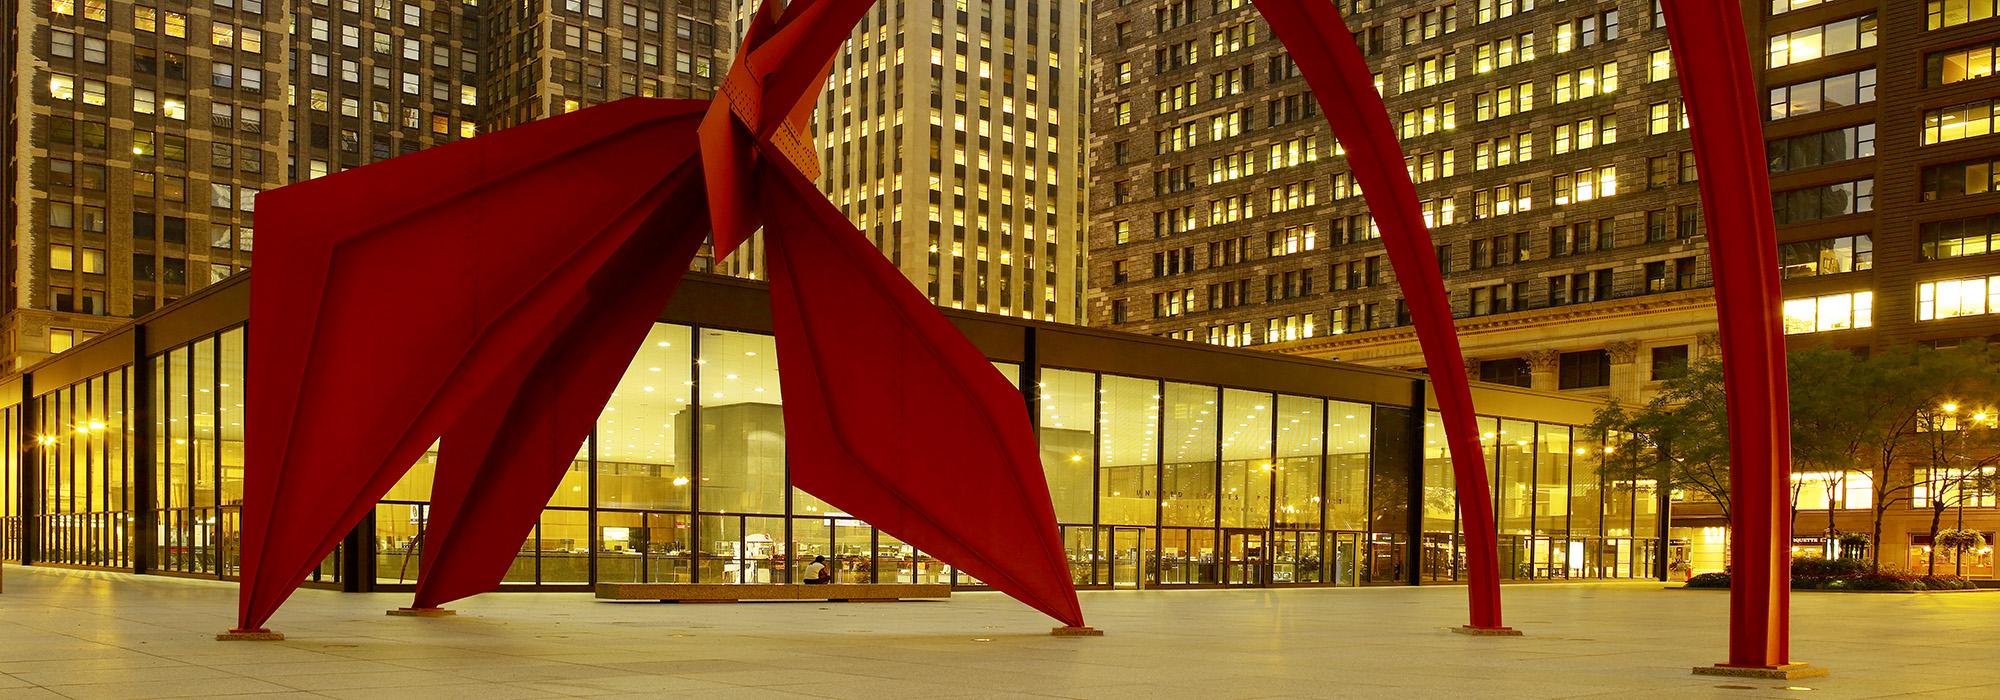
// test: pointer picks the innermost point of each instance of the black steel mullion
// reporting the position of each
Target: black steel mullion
(590, 509)
(139, 456)
(1215, 498)
(1159, 471)
(1329, 570)
(190, 516)
(215, 551)
(1415, 453)
(30, 472)
(695, 453)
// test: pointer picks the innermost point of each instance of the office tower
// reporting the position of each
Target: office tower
(1551, 157)
(571, 54)
(952, 134)
(375, 79)
(139, 134)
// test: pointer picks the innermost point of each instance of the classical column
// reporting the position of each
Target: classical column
(1708, 345)
(1542, 365)
(1624, 370)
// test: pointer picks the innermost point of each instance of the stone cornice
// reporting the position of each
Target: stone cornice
(1649, 304)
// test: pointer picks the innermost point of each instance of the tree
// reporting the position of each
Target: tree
(1884, 411)
(1829, 426)
(1914, 386)
(1958, 542)
(1680, 438)
(1958, 448)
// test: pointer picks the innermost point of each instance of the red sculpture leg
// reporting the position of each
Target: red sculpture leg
(1725, 112)
(913, 430)
(894, 417)
(381, 303)
(503, 462)
(1333, 65)
(499, 467)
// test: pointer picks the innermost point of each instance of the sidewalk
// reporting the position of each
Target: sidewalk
(98, 635)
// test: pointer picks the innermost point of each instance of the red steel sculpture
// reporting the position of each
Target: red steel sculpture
(1712, 53)
(521, 317)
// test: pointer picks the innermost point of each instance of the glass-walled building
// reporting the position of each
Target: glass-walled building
(1170, 464)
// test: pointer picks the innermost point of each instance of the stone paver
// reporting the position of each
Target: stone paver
(71, 634)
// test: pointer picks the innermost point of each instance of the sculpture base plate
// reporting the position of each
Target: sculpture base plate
(1486, 631)
(257, 635)
(422, 612)
(1784, 672)
(1076, 631)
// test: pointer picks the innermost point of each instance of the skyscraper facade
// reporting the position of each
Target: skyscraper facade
(1551, 158)
(952, 133)
(139, 134)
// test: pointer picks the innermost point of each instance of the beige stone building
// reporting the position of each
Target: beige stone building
(138, 136)
(952, 134)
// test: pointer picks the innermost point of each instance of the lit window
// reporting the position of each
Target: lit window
(62, 87)
(1954, 298)
(1831, 312)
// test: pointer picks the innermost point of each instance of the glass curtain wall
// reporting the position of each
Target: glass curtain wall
(84, 508)
(1066, 411)
(197, 409)
(10, 483)
(1443, 548)
(1558, 516)
(1299, 550)
(684, 479)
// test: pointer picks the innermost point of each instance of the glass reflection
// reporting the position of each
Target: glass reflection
(1128, 471)
(1068, 411)
(1349, 428)
(1188, 468)
(1248, 465)
(1301, 442)
(742, 424)
(645, 450)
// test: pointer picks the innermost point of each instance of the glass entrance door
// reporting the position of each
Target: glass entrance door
(1128, 558)
(1247, 562)
(1296, 557)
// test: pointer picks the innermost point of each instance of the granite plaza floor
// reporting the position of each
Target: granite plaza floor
(97, 635)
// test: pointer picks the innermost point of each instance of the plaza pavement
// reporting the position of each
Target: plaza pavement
(100, 635)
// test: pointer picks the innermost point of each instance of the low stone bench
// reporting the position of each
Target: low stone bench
(734, 592)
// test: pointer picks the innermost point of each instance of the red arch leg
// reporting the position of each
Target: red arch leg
(1333, 65)
(1713, 55)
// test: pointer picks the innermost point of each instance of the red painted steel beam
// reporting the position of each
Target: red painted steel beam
(1720, 90)
(393, 294)
(1332, 64)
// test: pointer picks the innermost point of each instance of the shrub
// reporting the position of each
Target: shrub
(1947, 583)
(1817, 568)
(1812, 573)
(1879, 581)
(1709, 580)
